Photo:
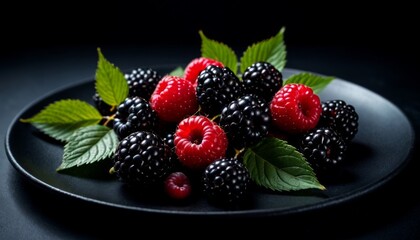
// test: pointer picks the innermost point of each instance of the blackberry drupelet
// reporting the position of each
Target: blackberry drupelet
(168, 139)
(341, 117)
(245, 121)
(142, 82)
(134, 114)
(102, 106)
(141, 159)
(263, 80)
(323, 148)
(226, 182)
(217, 87)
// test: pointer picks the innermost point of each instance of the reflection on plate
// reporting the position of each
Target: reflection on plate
(379, 151)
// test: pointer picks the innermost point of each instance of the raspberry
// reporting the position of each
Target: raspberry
(178, 186)
(141, 159)
(263, 80)
(199, 142)
(323, 148)
(142, 82)
(217, 87)
(174, 99)
(295, 108)
(341, 117)
(245, 121)
(193, 69)
(134, 114)
(226, 182)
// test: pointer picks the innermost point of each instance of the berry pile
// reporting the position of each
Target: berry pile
(212, 112)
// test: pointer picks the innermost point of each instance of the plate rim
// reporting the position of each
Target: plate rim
(331, 201)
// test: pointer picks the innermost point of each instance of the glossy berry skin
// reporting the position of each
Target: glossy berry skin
(174, 99)
(199, 142)
(295, 108)
(245, 121)
(226, 182)
(341, 117)
(217, 87)
(323, 148)
(142, 159)
(262, 79)
(142, 82)
(195, 66)
(134, 114)
(177, 186)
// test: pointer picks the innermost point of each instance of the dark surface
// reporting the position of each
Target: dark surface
(383, 143)
(48, 47)
(29, 211)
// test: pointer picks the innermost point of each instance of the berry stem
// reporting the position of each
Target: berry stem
(215, 117)
(237, 152)
(108, 119)
(112, 171)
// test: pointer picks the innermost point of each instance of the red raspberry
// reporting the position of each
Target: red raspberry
(199, 142)
(178, 186)
(174, 99)
(295, 108)
(193, 69)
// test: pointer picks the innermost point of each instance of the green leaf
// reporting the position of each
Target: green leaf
(178, 72)
(111, 84)
(276, 165)
(316, 82)
(88, 145)
(60, 119)
(272, 50)
(219, 51)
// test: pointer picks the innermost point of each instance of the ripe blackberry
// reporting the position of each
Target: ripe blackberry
(134, 114)
(142, 82)
(323, 148)
(245, 121)
(168, 138)
(217, 87)
(263, 80)
(102, 106)
(141, 158)
(341, 117)
(226, 182)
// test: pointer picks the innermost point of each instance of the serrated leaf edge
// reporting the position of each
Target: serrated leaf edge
(77, 138)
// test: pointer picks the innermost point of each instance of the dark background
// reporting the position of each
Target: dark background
(45, 47)
(388, 27)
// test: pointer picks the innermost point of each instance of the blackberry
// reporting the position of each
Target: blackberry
(323, 148)
(142, 82)
(141, 159)
(103, 107)
(168, 138)
(341, 117)
(245, 121)
(134, 114)
(169, 141)
(226, 182)
(263, 80)
(217, 87)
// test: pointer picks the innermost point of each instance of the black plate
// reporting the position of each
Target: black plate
(380, 150)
